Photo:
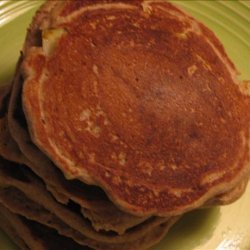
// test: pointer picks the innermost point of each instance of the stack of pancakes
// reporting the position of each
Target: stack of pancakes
(122, 116)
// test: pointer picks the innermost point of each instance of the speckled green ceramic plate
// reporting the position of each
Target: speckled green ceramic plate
(220, 228)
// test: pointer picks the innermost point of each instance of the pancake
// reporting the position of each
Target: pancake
(30, 235)
(32, 211)
(18, 203)
(122, 116)
(37, 236)
(229, 197)
(12, 176)
(139, 99)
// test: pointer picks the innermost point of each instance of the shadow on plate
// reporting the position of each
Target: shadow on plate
(193, 229)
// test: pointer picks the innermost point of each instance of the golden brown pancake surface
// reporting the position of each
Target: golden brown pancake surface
(141, 100)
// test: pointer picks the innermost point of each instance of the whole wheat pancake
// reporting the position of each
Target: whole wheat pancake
(30, 235)
(32, 211)
(140, 99)
(12, 177)
(229, 197)
(38, 236)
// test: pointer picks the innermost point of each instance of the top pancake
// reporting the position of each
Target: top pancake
(140, 99)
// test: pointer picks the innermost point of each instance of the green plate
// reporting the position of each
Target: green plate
(220, 228)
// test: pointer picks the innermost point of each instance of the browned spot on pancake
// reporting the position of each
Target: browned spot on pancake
(122, 101)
